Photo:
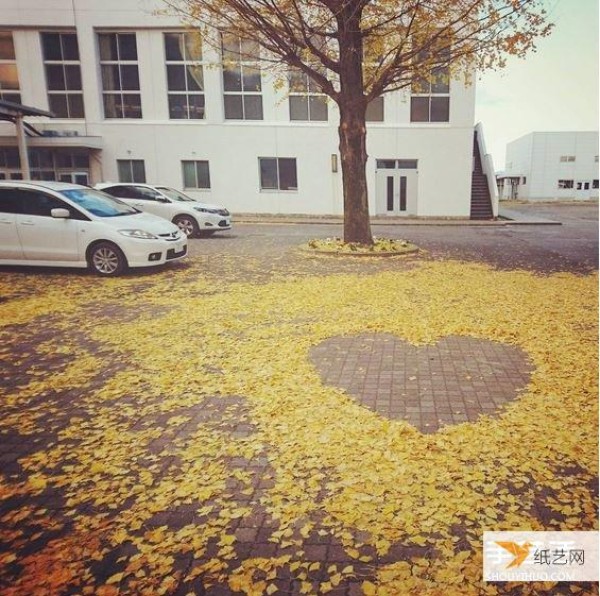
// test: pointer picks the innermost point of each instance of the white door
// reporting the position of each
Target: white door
(43, 237)
(396, 191)
(10, 245)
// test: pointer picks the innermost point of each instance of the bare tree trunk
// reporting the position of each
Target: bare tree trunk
(353, 152)
(352, 130)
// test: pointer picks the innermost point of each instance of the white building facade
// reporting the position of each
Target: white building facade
(547, 166)
(136, 100)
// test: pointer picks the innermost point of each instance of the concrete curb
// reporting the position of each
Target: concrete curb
(507, 218)
(333, 253)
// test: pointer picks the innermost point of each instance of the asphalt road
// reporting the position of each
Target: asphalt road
(571, 246)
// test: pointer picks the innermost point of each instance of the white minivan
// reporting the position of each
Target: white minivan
(192, 217)
(66, 225)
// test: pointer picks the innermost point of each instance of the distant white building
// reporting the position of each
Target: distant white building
(546, 166)
(137, 100)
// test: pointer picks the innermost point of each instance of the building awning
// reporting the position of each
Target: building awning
(16, 112)
(10, 111)
(512, 176)
(67, 142)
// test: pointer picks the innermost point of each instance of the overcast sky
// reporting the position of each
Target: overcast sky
(554, 89)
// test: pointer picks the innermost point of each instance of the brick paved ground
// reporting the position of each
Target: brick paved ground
(453, 381)
(450, 382)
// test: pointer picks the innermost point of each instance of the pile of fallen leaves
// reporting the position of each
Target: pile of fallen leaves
(166, 427)
(379, 246)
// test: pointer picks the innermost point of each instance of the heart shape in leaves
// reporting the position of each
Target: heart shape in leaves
(452, 381)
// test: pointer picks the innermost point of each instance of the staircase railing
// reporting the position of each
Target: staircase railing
(487, 165)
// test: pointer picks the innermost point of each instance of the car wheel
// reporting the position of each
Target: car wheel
(187, 225)
(107, 259)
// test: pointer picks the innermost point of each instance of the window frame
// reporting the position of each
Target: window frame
(185, 63)
(131, 162)
(422, 90)
(119, 93)
(277, 161)
(402, 163)
(46, 163)
(196, 163)
(371, 105)
(13, 95)
(309, 94)
(64, 64)
(10, 158)
(243, 94)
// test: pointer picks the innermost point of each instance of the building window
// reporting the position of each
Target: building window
(195, 174)
(185, 77)
(120, 78)
(393, 164)
(565, 184)
(67, 160)
(242, 88)
(375, 110)
(47, 164)
(41, 164)
(63, 74)
(524, 181)
(9, 158)
(567, 158)
(131, 170)
(595, 184)
(430, 102)
(9, 78)
(307, 103)
(430, 97)
(72, 166)
(278, 173)
(10, 164)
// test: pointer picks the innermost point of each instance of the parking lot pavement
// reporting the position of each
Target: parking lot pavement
(572, 246)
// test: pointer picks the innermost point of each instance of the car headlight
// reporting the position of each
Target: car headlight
(138, 234)
(205, 210)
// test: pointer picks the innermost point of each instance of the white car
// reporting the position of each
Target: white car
(66, 225)
(192, 217)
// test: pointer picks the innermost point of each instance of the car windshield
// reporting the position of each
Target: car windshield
(175, 195)
(98, 203)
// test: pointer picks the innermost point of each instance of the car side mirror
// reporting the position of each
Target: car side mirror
(162, 200)
(60, 213)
